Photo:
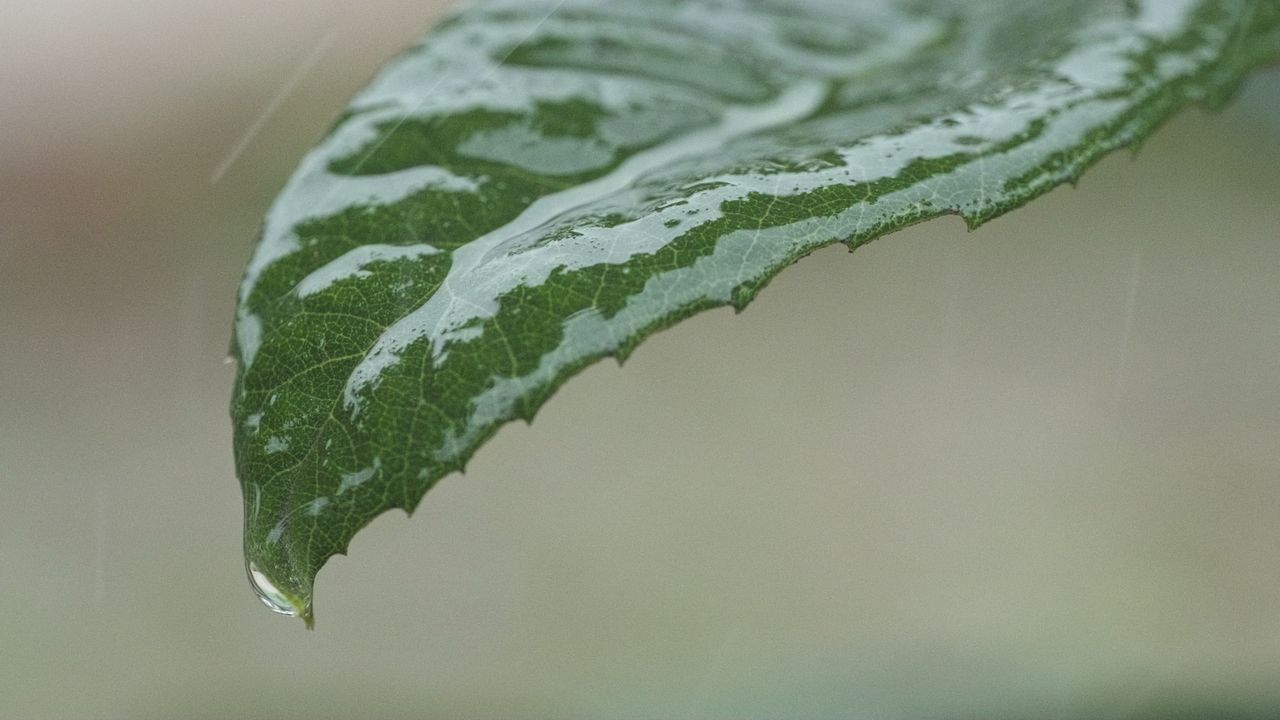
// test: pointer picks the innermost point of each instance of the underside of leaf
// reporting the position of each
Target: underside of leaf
(539, 185)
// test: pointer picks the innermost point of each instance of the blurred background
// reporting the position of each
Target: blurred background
(1030, 471)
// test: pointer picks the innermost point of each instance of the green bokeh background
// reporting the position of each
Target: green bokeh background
(1030, 471)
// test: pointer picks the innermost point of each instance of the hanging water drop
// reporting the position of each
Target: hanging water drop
(269, 594)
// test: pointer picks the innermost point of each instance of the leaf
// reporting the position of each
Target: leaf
(538, 185)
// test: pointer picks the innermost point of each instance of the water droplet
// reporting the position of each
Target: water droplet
(269, 594)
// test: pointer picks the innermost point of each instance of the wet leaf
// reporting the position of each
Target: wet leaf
(539, 185)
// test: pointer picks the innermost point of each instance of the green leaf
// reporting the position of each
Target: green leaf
(538, 185)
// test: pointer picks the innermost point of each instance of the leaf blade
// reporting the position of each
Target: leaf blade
(527, 192)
